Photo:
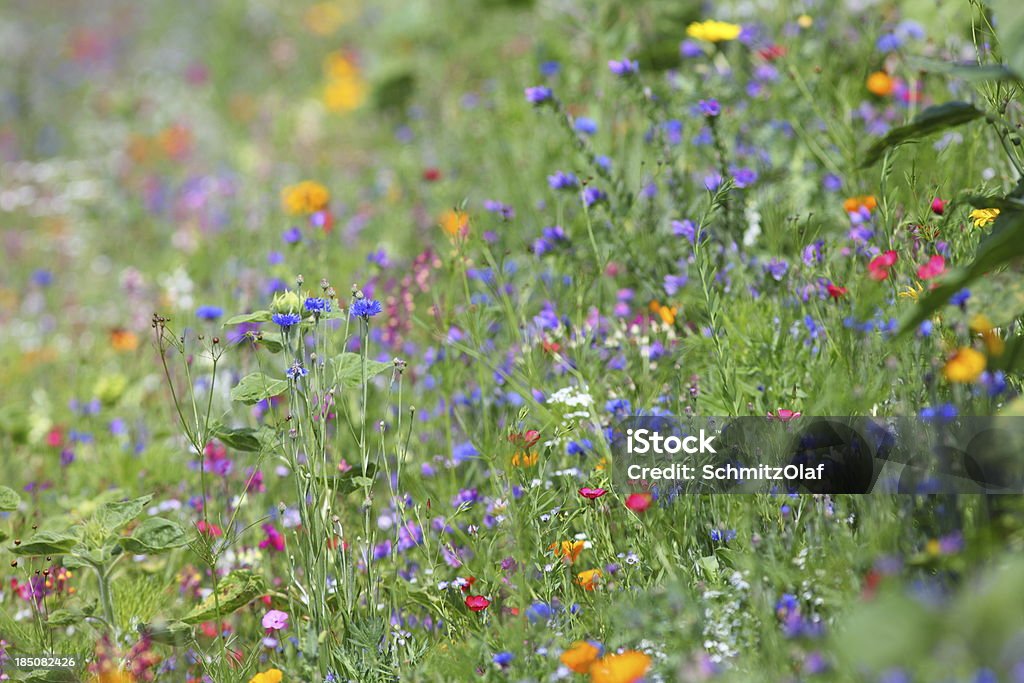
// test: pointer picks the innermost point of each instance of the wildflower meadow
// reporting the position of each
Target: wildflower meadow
(330, 332)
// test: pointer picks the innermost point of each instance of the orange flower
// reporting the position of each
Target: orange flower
(570, 550)
(964, 366)
(524, 459)
(854, 204)
(580, 657)
(123, 340)
(588, 579)
(305, 198)
(666, 313)
(455, 222)
(627, 667)
(880, 83)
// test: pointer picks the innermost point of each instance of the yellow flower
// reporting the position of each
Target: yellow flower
(627, 667)
(324, 18)
(588, 579)
(115, 676)
(964, 366)
(580, 657)
(713, 31)
(933, 548)
(524, 459)
(570, 550)
(268, 676)
(305, 198)
(983, 217)
(455, 222)
(980, 324)
(912, 291)
(345, 94)
(666, 313)
(805, 21)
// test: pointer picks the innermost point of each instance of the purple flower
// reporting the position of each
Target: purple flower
(292, 235)
(563, 181)
(592, 195)
(684, 228)
(690, 49)
(538, 94)
(709, 108)
(410, 535)
(275, 620)
(382, 550)
(585, 126)
(776, 268)
(673, 283)
(623, 67)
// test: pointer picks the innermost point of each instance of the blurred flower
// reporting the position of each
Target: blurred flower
(860, 202)
(627, 667)
(835, 291)
(983, 217)
(588, 579)
(713, 31)
(878, 268)
(568, 550)
(275, 620)
(880, 83)
(592, 493)
(964, 366)
(783, 415)
(455, 222)
(209, 312)
(938, 206)
(623, 67)
(980, 324)
(123, 340)
(581, 656)
(638, 502)
(538, 94)
(268, 676)
(305, 198)
(935, 267)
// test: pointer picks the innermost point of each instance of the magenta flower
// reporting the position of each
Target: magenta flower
(275, 620)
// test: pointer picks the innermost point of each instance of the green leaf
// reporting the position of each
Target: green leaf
(240, 439)
(346, 482)
(52, 676)
(65, 617)
(47, 543)
(256, 387)
(1005, 244)
(9, 500)
(1009, 26)
(348, 369)
(966, 71)
(115, 516)
(931, 120)
(155, 535)
(235, 591)
(272, 343)
(254, 317)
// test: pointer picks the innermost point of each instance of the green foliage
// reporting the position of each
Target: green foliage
(931, 120)
(348, 369)
(235, 590)
(255, 387)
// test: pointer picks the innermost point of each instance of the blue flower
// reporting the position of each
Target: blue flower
(318, 305)
(292, 235)
(296, 371)
(563, 181)
(538, 94)
(503, 659)
(209, 312)
(365, 308)
(539, 611)
(592, 195)
(286, 320)
(709, 108)
(585, 125)
(550, 68)
(623, 67)
(960, 298)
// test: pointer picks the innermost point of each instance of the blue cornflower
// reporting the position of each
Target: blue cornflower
(464, 451)
(365, 308)
(776, 268)
(539, 611)
(550, 68)
(286, 320)
(743, 177)
(318, 305)
(503, 659)
(295, 371)
(583, 446)
(592, 195)
(563, 181)
(690, 49)
(292, 235)
(209, 312)
(960, 298)
(585, 125)
(538, 94)
(709, 108)
(684, 228)
(623, 67)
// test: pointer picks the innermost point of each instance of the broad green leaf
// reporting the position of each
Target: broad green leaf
(46, 543)
(254, 317)
(65, 617)
(9, 500)
(1005, 244)
(240, 438)
(235, 591)
(348, 369)
(115, 516)
(272, 343)
(1009, 26)
(154, 535)
(256, 387)
(933, 119)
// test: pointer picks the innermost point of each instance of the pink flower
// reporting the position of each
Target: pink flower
(275, 620)
(274, 540)
(835, 291)
(592, 494)
(879, 266)
(783, 415)
(935, 267)
(638, 502)
(938, 206)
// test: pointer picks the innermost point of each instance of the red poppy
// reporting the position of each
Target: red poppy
(477, 603)
(638, 502)
(835, 291)
(432, 174)
(591, 493)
